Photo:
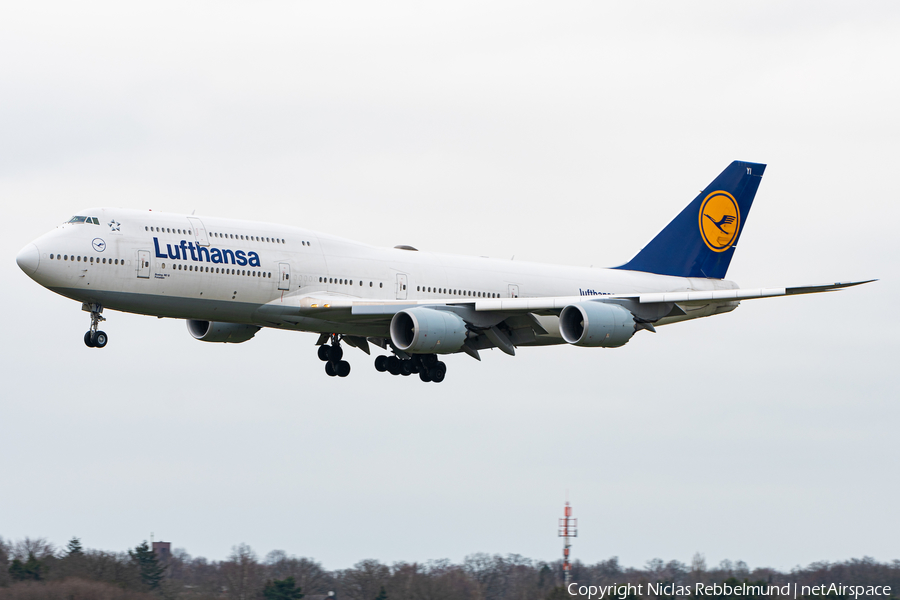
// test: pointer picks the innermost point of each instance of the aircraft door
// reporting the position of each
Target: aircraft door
(401, 286)
(284, 276)
(199, 231)
(143, 264)
(513, 291)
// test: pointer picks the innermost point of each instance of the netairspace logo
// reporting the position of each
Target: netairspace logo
(789, 590)
(203, 254)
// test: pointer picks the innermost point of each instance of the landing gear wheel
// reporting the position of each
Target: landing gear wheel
(423, 375)
(381, 363)
(94, 338)
(99, 339)
(342, 369)
(323, 353)
(393, 365)
(329, 369)
(406, 367)
(335, 353)
(438, 372)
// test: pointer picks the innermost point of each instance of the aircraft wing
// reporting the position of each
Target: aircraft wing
(505, 322)
(324, 304)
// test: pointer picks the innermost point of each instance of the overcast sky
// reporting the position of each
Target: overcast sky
(562, 133)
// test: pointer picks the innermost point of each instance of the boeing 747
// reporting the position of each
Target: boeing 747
(230, 278)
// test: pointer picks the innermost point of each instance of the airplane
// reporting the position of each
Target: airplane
(230, 278)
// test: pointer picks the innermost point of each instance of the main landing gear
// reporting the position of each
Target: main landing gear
(94, 338)
(331, 356)
(427, 366)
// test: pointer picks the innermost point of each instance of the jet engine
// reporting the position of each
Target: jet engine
(425, 331)
(213, 331)
(596, 324)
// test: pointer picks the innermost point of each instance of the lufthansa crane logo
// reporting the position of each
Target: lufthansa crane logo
(98, 244)
(720, 221)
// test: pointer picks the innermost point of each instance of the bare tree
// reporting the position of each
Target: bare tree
(242, 573)
(364, 580)
(5, 550)
(309, 575)
(40, 547)
(698, 565)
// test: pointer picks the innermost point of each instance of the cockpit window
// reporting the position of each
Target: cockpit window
(89, 220)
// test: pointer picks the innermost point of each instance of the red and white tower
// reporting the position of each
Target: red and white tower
(568, 528)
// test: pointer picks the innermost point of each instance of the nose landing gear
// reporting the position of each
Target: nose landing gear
(331, 356)
(94, 338)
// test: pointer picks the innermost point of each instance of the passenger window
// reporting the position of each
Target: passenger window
(370, 284)
(381, 284)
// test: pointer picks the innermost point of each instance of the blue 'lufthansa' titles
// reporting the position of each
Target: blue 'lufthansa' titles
(202, 254)
(589, 292)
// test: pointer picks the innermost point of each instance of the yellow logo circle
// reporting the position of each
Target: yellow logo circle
(720, 221)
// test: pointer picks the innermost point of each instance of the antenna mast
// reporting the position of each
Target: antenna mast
(568, 528)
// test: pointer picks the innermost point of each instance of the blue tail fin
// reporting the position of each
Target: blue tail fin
(701, 240)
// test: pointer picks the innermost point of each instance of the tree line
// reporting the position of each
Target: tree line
(35, 569)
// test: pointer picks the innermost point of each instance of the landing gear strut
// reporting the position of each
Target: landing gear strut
(94, 338)
(428, 367)
(331, 356)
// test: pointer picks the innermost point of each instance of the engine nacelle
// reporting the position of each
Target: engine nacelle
(213, 331)
(426, 330)
(596, 324)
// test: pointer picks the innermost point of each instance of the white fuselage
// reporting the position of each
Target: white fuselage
(226, 270)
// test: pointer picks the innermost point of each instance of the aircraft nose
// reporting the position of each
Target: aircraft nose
(28, 259)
